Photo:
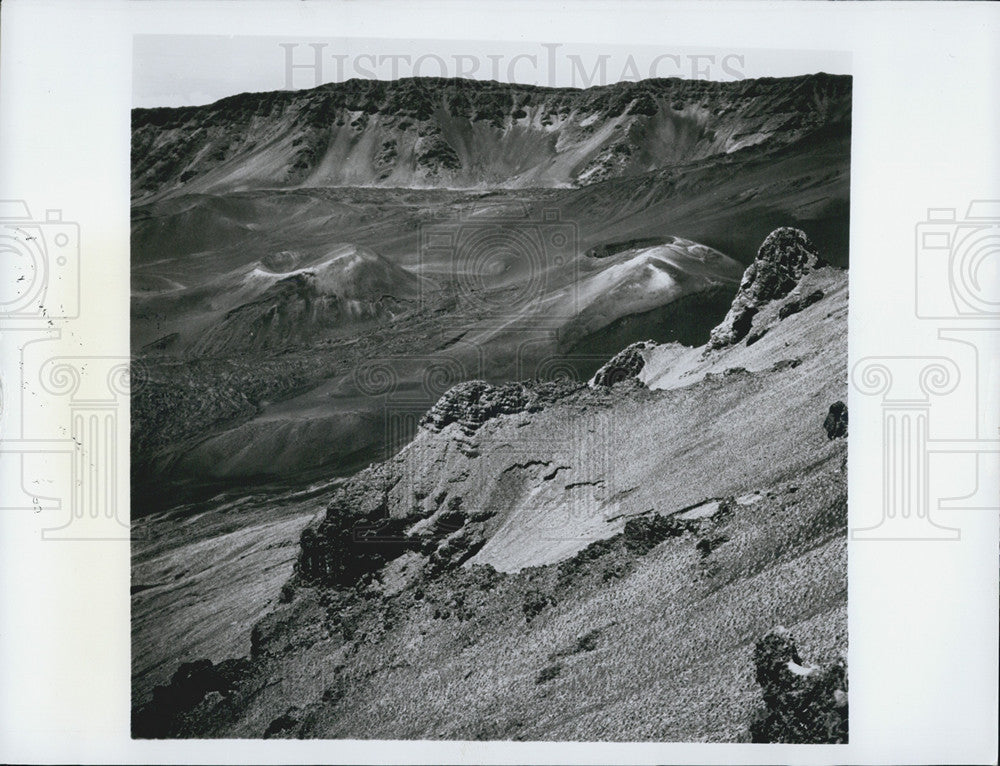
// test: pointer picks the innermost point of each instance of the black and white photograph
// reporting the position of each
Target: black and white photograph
(499, 383)
(488, 410)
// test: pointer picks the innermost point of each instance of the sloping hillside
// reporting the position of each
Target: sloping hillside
(255, 372)
(321, 317)
(435, 133)
(565, 561)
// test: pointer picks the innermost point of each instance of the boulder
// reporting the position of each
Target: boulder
(783, 258)
(836, 421)
(624, 365)
(803, 704)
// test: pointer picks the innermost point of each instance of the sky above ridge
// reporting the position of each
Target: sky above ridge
(184, 70)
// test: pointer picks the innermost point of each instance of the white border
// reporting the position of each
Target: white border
(923, 615)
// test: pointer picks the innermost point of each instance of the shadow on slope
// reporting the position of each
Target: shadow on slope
(632, 544)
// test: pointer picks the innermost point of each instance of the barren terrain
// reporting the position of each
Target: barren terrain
(370, 477)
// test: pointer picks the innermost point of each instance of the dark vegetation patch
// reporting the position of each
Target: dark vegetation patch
(535, 602)
(585, 643)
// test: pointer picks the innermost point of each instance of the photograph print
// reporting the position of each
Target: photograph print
(488, 393)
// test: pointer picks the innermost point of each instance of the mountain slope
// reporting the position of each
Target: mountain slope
(435, 133)
(255, 373)
(317, 311)
(562, 561)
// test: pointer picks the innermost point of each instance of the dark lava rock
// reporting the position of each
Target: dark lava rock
(642, 534)
(794, 306)
(283, 724)
(458, 548)
(624, 365)
(706, 545)
(191, 683)
(346, 545)
(475, 402)
(756, 335)
(785, 364)
(836, 421)
(785, 255)
(803, 705)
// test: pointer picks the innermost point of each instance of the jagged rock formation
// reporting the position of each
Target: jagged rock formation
(536, 515)
(624, 365)
(836, 421)
(784, 257)
(355, 537)
(802, 704)
(275, 179)
(431, 132)
(475, 402)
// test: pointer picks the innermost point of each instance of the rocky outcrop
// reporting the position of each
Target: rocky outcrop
(624, 365)
(836, 421)
(357, 534)
(475, 402)
(644, 533)
(191, 684)
(785, 256)
(803, 704)
(349, 544)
